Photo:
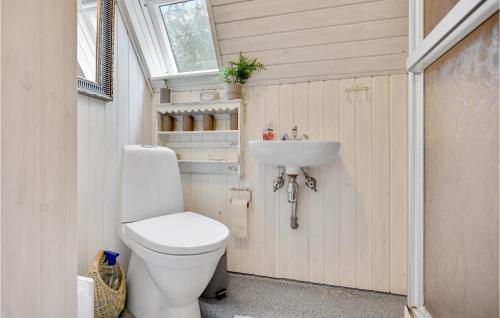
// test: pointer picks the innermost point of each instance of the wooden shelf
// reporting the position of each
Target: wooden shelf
(201, 107)
(209, 166)
(208, 161)
(219, 143)
(197, 132)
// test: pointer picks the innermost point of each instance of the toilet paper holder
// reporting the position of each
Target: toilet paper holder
(243, 190)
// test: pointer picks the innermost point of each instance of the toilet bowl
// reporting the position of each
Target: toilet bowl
(174, 253)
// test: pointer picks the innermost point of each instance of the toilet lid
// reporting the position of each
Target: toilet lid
(185, 233)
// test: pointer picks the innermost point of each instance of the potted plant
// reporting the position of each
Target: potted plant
(237, 73)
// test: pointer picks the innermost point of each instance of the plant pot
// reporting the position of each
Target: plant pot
(234, 91)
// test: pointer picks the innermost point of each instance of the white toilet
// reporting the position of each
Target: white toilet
(174, 253)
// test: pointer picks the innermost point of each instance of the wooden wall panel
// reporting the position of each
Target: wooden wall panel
(381, 183)
(398, 181)
(369, 11)
(331, 206)
(314, 40)
(286, 120)
(347, 187)
(352, 232)
(38, 172)
(272, 202)
(316, 199)
(103, 128)
(364, 185)
(312, 37)
(264, 8)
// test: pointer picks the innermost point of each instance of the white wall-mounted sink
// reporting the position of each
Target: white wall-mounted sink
(294, 154)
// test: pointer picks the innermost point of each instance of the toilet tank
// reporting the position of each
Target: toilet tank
(150, 183)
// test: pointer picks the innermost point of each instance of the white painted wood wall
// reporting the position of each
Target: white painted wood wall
(103, 128)
(316, 39)
(38, 172)
(352, 232)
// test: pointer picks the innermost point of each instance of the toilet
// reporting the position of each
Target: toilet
(174, 253)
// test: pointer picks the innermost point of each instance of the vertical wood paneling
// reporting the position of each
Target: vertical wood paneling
(300, 237)
(315, 207)
(381, 187)
(220, 200)
(399, 192)
(254, 247)
(133, 98)
(348, 183)
(271, 200)
(346, 229)
(122, 80)
(96, 176)
(287, 107)
(103, 128)
(38, 172)
(83, 155)
(233, 250)
(363, 191)
(331, 206)
(258, 175)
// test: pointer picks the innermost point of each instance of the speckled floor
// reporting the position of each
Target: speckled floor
(260, 297)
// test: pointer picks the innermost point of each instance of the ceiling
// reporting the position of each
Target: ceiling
(312, 39)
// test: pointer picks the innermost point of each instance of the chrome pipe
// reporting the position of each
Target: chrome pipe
(293, 194)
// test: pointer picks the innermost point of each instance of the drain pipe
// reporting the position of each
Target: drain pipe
(293, 193)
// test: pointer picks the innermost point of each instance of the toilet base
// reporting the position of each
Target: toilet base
(146, 300)
(191, 311)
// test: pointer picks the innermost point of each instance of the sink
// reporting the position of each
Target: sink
(294, 154)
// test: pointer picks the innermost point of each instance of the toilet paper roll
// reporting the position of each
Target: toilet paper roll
(239, 218)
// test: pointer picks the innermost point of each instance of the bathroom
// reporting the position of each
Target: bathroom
(322, 181)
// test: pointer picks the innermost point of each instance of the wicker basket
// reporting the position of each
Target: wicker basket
(108, 302)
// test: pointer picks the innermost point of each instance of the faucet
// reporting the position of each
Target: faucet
(294, 135)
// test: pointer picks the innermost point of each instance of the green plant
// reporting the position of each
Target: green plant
(241, 70)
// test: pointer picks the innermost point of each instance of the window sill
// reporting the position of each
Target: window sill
(177, 81)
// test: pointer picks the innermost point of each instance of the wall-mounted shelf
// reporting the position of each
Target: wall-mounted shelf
(201, 107)
(196, 149)
(209, 167)
(197, 132)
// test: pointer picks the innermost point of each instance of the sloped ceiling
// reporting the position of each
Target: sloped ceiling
(312, 39)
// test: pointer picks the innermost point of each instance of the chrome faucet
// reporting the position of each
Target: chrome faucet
(294, 135)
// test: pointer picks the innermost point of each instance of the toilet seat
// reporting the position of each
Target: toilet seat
(184, 233)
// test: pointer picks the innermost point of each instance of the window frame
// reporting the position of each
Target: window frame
(153, 7)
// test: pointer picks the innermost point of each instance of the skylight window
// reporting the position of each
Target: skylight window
(185, 28)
